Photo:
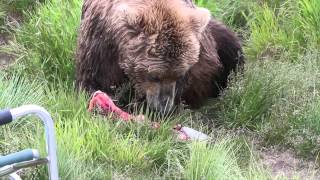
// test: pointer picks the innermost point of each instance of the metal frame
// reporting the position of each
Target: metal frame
(49, 135)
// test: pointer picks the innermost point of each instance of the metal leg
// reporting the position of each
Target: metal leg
(49, 132)
(14, 176)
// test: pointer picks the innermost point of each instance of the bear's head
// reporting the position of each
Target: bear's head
(160, 43)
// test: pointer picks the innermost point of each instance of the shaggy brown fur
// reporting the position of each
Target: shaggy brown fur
(166, 48)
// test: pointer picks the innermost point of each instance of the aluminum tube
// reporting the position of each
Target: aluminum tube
(49, 132)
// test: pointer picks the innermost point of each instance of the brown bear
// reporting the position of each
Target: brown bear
(170, 50)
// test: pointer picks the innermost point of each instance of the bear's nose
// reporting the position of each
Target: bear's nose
(162, 99)
(166, 97)
(166, 104)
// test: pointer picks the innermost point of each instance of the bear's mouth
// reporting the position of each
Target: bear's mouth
(161, 97)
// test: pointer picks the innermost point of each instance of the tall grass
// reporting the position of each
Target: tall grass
(2, 17)
(45, 44)
(18, 6)
(93, 147)
(278, 99)
(268, 38)
(218, 162)
(211, 5)
(309, 18)
(236, 13)
(286, 29)
(18, 91)
(15, 8)
(274, 97)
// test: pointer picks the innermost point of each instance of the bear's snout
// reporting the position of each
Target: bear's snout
(161, 97)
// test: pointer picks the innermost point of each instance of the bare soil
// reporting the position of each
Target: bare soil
(5, 59)
(284, 163)
(12, 19)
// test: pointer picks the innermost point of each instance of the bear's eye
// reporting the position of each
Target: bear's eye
(153, 78)
(152, 52)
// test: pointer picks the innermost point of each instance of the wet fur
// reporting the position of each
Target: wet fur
(100, 64)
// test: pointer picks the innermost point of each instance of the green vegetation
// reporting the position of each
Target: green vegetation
(18, 5)
(46, 42)
(15, 8)
(86, 144)
(277, 98)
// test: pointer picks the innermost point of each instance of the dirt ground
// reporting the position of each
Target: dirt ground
(285, 164)
(12, 20)
(282, 163)
(5, 59)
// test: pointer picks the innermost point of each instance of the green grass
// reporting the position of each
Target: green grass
(288, 30)
(46, 42)
(277, 98)
(17, 8)
(86, 144)
(309, 18)
(18, 5)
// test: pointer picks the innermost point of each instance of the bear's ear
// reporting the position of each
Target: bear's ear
(200, 18)
(129, 14)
